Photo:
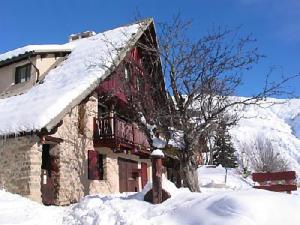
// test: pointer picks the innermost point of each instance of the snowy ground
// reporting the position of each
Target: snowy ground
(233, 203)
(18, 210)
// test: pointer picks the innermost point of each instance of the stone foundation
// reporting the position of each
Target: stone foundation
(20, 166)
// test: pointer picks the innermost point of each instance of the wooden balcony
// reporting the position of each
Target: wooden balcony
(120, 135)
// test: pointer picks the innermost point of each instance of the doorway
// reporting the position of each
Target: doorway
(128, 175)
(49, 175)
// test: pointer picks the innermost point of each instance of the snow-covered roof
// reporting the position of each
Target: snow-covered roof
(36, 49)
(44, 105)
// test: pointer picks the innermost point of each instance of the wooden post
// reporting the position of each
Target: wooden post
(157, 156)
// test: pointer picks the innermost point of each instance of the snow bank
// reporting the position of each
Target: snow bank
(166, 185)
(15, 209)
(244, 207)
(66, 85)
(251, 207)
(157, 152)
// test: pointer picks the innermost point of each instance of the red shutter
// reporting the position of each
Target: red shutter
(93, 165)
(144, 175)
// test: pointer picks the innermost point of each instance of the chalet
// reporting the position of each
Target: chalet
(59, 138)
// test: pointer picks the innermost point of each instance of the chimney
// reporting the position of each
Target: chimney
(85, 34)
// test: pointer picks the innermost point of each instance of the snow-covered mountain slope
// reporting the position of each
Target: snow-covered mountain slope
(280, 123)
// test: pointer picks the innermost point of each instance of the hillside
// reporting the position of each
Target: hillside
(278, 122)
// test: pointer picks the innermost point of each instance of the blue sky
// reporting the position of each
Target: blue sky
(275, 24)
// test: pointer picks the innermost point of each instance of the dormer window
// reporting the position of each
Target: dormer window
(22, 73)
(127, 72)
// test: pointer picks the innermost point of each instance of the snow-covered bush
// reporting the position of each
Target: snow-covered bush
(264, 157)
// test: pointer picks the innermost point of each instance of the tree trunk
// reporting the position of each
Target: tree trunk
(189, 164)
(189, 174)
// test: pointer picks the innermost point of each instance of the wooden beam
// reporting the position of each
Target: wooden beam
(46, 139)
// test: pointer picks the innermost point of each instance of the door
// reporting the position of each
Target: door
(144, 174)
(128, 175)
(49, 176)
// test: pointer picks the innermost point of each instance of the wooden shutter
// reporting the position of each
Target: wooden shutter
(93, 165)
(144, 174)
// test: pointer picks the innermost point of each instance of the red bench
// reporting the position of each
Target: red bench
(276, 181)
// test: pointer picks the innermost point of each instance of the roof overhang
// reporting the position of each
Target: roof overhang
(31, 54)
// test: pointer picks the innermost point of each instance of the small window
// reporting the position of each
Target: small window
(96, 165)
(46, 165)
(22, 73)
(127, 72)
(139, 83)
(103, 110)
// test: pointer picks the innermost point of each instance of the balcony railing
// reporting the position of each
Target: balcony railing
(114, 132)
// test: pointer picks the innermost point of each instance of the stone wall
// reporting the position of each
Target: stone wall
(77, 132)
(73, 152)
(20, 166)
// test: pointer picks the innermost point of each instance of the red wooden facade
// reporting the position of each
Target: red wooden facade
(117, 86)
(276, 181)
(111, 130)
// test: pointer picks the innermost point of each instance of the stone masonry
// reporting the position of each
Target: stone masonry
(20, 166)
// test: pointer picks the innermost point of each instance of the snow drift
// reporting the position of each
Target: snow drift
(15, 209)
(251, 207)
(234, 204)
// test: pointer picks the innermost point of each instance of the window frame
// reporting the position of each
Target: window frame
(96, 171)
(140, 82)
(18, 77)
(128, 74)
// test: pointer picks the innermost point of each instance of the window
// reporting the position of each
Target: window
(140, 85)
(95, 165)
(127, 72)
(82, 118)
(103, 110)
(22, 73)
(46, 163)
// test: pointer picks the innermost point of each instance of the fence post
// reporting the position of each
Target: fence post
(157, 156)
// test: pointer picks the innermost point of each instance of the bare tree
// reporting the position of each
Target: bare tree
(264, 157)
(202, 74)
(200, 77)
